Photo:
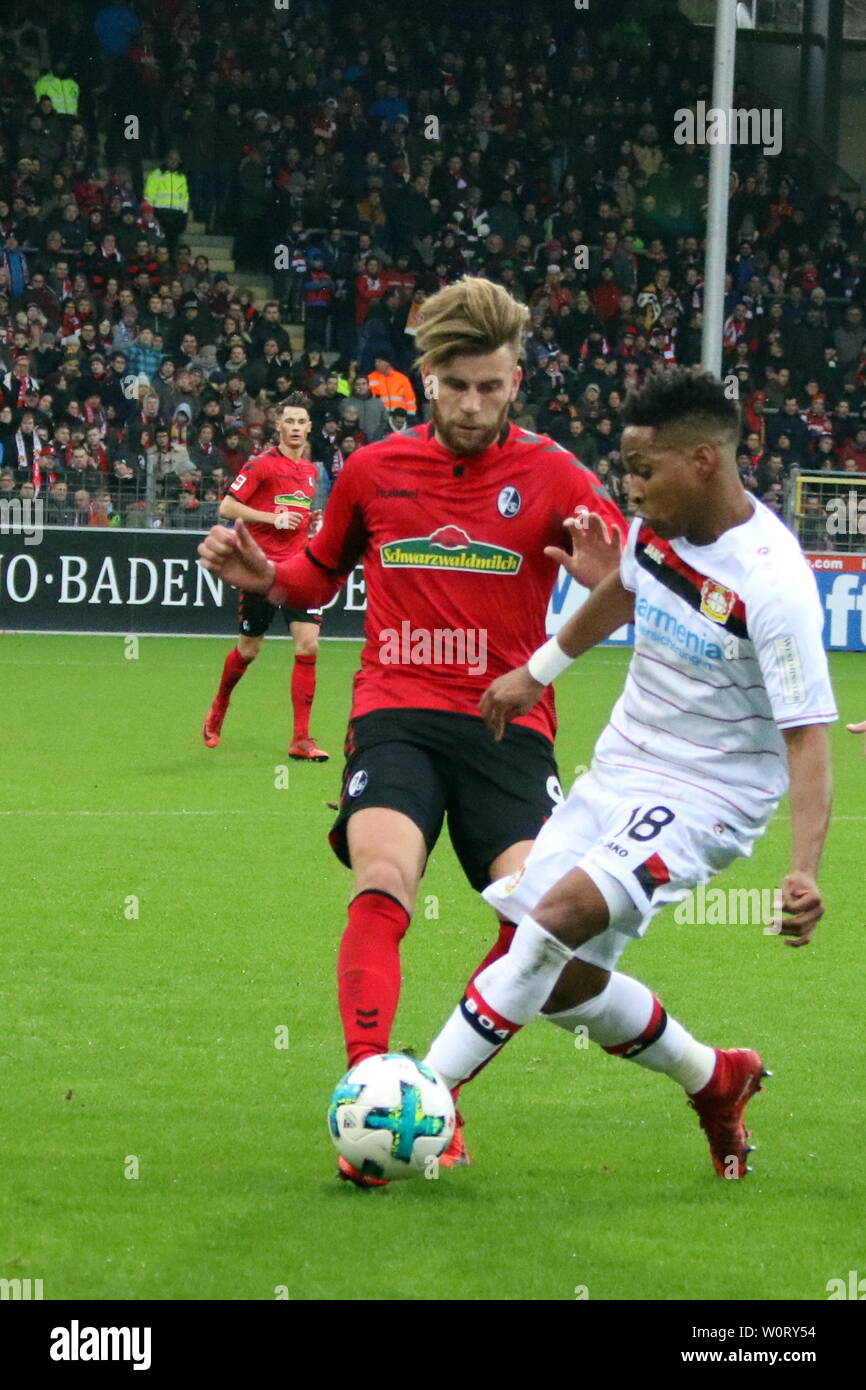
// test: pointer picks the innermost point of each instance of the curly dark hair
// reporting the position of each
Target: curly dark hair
(679, 400)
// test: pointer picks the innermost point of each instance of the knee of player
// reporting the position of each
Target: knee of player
(570, 925)
(384, 875)
(573, 910)
(307, 646)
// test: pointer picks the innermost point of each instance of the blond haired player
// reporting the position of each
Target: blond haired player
(460, 523)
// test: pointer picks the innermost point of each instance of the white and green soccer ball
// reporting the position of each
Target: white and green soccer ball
(391, 1117)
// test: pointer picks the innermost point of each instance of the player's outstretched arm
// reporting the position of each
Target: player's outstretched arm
(234, 556)
(608, 607)
(811, 797)
(858, 729)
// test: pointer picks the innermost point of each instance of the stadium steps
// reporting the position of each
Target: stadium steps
(218, 249)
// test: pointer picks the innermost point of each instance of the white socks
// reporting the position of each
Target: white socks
(506, 995)
(627, 1020)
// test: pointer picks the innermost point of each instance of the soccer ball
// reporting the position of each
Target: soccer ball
(391, 1117)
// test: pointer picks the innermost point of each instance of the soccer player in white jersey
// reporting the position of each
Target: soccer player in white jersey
(726, 704)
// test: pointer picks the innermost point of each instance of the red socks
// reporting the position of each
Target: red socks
(499, 947)
(368, 972)
(303, 693)
(234, 667)
(303, 687)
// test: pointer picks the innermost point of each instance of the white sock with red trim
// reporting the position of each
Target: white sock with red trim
(628, 1020)
(498, 1002)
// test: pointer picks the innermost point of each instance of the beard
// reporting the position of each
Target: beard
(467, 444)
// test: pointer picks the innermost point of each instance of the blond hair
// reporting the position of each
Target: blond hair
(469, 317)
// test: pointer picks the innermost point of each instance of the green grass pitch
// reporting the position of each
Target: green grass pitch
(148, 1042)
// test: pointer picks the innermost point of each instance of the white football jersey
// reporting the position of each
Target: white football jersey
(728, 652)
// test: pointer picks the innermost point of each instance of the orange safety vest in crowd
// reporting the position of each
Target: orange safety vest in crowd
(393, 390)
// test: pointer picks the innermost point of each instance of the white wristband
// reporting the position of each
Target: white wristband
(548, 662)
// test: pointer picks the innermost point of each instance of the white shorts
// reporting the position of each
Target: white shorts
(641, 848)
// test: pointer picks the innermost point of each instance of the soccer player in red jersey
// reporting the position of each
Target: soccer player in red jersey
(273, 493)
(460, 523)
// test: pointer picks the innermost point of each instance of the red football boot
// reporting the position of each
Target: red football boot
(721, 1104)
(456, 1155)
(306, 750)
(213, 722)
(348, 1173)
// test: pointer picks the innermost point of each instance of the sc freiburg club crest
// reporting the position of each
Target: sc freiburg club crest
(509, 502)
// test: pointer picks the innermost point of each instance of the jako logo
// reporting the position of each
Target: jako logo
(76, 1343)
(738, 126)
(855, 1287)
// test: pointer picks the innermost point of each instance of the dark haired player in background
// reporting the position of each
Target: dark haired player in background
(725, 708)
(273, 494)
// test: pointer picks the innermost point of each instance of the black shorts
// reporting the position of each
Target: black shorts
(255, 614)
(429, 763)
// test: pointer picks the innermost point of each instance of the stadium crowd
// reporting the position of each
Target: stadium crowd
(363, 158)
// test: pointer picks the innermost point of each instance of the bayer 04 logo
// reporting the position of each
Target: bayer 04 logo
(390, 1116)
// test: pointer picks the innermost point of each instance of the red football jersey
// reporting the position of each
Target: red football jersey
(453, 550)
(271, 482)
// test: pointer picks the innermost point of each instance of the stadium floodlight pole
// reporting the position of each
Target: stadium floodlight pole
(729, 14)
